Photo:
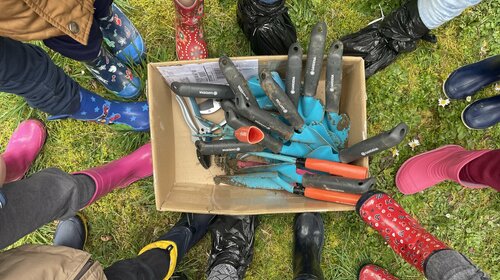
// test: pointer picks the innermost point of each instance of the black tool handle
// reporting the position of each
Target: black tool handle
(235, 121)
(375, 144)
(246, 103)
(340, 184)
(294, 73)
(333, 81)
(314, 59)
(280, 100)
(202, 90)
(237, 82)
(228, 146)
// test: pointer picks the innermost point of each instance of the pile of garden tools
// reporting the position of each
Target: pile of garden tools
(281, 135)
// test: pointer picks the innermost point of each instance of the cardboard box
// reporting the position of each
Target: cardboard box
(183, 185)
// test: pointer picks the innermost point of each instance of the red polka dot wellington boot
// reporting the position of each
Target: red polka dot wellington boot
(373, 272)
(190, 43)
(402, 232)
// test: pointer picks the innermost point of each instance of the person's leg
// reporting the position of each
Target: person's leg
(189, 35)
(309, 234)
(26, 70)
(43, 197)
(408, 238)
(159, 259)
(72, 232)
(381, 42)
(451, 265)
(70, 48)
(483, 170)
(434, 13)
(233, 240)
(430, 168)
(22, 149)
(267, 26)
(54, 194)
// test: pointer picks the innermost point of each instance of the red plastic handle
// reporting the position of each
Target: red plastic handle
(332, 196)
(337, 168)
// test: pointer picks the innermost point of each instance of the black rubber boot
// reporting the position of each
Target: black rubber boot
(381, 42)
(268, 27)
(72, 232)
(188, 231)
(469, 79)
(309, 235)
(483, 113)
(232, 246)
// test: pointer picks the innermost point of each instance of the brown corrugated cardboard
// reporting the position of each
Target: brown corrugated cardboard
(182, 184)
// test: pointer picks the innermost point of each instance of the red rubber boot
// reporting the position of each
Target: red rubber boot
(402, 232)
(190, 42)
(373, 272)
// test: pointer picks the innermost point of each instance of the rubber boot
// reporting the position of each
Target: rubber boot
(72, 232)
(380, 43)
(122, 37)
(22, 149)
(189, 39)
(373, 272)
(233, 240)
(115, 76)
(124, 116)
(469, 79)
(268, 27)
(309, 234)
(425, 170)
(482, 113)
(402, 232)
(183, 236)
(120, 173)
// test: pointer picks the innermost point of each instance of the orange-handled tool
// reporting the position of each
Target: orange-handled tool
(331, 167)
(334, 168)
(330, 196)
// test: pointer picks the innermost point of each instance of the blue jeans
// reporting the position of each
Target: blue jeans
(26, 70)
(436, 12)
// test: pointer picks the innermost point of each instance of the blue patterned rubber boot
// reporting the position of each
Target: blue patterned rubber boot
(114, 75)
(121, 36)
(124, 116)
(482, 113)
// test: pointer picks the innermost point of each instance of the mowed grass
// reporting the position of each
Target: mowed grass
(408, 90)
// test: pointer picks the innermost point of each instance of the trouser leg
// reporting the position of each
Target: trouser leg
(483, 170)
(451, 265)
(437, 12)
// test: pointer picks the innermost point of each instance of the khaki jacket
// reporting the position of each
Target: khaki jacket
(35, 262)
(25, 20)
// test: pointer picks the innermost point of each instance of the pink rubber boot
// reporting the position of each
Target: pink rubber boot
(121, 172)
(425, 170)
(22, 149)
(373, 272)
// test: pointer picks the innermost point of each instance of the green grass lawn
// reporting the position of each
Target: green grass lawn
(408, 90)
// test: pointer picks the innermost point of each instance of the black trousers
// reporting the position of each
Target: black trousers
(26, 70)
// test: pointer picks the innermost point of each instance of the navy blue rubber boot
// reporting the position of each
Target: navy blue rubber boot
(72, 232)
(121, 36)
(469, 79)
(124, 116)
(482, 113)
(188, 231)
(114, 75)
